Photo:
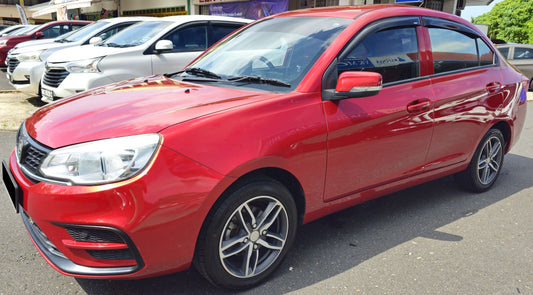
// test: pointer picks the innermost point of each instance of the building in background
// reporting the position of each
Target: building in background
(10, 16)
(254, 9)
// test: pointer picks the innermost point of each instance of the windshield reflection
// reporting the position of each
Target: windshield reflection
(137, 34)
(278, 51)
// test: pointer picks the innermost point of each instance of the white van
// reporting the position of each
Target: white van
(151, 47)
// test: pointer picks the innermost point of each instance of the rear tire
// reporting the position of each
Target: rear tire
(485, 166)
(247, 236)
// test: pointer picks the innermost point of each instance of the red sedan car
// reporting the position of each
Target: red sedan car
(289, 119)
(44, 31)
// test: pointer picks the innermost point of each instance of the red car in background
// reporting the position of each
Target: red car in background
(48, 30)
(290, 118)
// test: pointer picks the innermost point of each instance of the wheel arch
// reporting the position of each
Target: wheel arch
(505, 129)
(282, 176)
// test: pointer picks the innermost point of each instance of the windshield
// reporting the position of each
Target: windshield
(137, 34)
(274, 54)
(86, 31)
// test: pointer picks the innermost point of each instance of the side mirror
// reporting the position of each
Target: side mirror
(164, 45)
(95, 40)
(357, 84)
(39, 35)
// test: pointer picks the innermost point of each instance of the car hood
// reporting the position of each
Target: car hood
(35, 44)
(41, 46)
(86, 52)
(143, 105)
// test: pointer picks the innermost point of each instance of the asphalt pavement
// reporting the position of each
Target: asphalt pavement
(430, 239)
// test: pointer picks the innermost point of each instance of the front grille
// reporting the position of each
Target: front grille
(93, 235)
(33, 158)
(30, 153)
(122, 254)
(54, 77)
(12, 65)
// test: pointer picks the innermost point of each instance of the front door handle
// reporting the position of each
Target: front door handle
(419, 105)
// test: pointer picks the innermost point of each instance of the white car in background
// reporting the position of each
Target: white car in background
(26, 62)
(151, 47)
(13, 29)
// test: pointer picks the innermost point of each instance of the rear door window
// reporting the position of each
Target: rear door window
(504, 51)
(219, 31)
(523, 53)
(455, 50)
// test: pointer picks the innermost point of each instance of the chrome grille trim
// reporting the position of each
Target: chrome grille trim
(53, 77)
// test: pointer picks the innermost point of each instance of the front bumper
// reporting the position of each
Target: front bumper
(26, 77)
(73, 83)
(145, 226)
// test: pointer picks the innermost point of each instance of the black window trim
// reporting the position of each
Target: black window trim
(207, 24)
(435, 22)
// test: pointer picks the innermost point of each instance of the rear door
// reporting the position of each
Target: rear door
(468, 86)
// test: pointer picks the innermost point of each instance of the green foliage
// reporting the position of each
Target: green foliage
(510, 20)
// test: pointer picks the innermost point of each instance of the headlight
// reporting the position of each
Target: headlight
(101, 161)
(30, 56)
(84, 66)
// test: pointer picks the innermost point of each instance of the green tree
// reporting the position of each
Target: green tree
(510, 20)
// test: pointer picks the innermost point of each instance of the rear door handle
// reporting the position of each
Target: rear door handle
(419, 105)
(494, 87)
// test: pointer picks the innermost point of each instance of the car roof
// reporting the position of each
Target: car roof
(378, 10)
(127, 18)
(190, 18)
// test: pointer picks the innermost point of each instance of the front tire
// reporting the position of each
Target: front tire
(247, 236)
(485, 166)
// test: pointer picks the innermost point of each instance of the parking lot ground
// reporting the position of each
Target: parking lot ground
(15, 107)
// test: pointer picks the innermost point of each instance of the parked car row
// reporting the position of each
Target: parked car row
(44, 31)
(26, 62)
(114, 50)
(11, 30)
(289, 119)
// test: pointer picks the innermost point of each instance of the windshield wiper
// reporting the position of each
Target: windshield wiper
(196, 72)
(259, 80)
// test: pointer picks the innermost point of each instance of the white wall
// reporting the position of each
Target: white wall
(143, 4)
(97, 7)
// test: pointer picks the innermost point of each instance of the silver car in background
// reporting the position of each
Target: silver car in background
(26, 62)
(152, 47)
(521, 56)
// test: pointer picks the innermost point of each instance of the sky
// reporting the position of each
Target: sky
(474, 11)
